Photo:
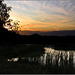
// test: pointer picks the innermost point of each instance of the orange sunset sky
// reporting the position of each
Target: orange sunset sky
(43, 15)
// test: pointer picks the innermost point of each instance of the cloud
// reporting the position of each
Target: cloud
(44, 15)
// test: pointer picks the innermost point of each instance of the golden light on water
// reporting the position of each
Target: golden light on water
(51, 56)
(13, 59)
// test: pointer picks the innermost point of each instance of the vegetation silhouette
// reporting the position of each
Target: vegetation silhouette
(13, 37)
(6, 25)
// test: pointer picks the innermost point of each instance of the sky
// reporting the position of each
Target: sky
(43, 15)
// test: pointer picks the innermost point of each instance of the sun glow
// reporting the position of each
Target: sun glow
(45, 16)
(11, 23)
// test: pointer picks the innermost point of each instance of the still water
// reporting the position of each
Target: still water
(49, 56)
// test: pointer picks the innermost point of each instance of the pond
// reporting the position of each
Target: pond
(50, 56)
(47, 59)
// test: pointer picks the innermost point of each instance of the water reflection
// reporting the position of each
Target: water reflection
(57, 57)
(13, 59)
(52, 57)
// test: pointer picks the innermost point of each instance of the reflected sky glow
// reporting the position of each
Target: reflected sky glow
(52, 57)
(13, 59)
(60, 56)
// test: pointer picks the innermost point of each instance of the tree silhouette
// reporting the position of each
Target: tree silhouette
(14, 26)
(4, 13)
(5, 22)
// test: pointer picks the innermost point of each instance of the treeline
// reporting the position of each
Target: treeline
(13, 38)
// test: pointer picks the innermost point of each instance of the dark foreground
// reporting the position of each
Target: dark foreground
(36, 54)
(36, 59)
